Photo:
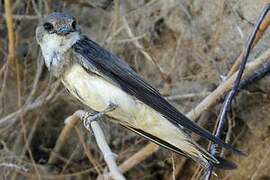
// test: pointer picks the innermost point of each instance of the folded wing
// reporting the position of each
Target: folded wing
(98, 60)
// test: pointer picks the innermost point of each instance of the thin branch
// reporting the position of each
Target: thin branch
(20, 17)
(138, 157)
(70, 123)
(258, 74)
(38, 102)
(186, 96)
(108, 155)
(87, 151)
(259, 34)
(11, 34)
(141, 49)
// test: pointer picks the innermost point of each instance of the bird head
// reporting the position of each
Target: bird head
(58, 31)
(56, 34)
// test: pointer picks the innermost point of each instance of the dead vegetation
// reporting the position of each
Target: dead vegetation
(184, 48)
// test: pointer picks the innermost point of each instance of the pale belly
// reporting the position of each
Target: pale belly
(98, 93)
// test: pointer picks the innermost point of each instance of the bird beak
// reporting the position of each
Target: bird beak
(64, 31)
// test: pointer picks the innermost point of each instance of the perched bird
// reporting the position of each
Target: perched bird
(100, 80)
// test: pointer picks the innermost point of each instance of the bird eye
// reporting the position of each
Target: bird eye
(74, 24)
(48, 26)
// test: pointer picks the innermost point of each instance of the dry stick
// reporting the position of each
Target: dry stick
(69, 161)
(258, 74)
(36, 80)
(27, 145)
(141, 49)
(3, 87)
(207, 103)
(58, 176)
(116, 17)
(86, 150)
(179, 165)
(11, 34)
(108, 155)
(259, 34)
(228, 100)
(138, 157)
(39, 101)
(21, 17)
(70, 123)
(186, 96)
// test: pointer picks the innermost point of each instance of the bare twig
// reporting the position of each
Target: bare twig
(178, 166)
(39, 101)
(70, 122)
(186, 96)
(263, 160)
(141, 49)
(259, 34)
(36, 8)
(109, 156)
(21, 17)
(87, 151)
(11, 34)
(138, 157)
(258, 74)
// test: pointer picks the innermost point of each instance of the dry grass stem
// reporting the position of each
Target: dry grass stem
(259, 34)
(87, 152)
(70, 123)
(142, 50)
(11, 34)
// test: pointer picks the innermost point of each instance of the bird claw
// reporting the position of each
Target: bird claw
(89, 117)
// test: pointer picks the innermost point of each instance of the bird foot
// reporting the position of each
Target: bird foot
(89, 117)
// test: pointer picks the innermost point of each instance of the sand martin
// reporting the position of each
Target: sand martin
(99, 79)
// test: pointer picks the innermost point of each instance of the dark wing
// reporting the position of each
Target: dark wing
(172, 147)
(99, 60)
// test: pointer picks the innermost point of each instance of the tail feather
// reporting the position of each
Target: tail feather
(203, 157)
(225, 164)
(218, 162)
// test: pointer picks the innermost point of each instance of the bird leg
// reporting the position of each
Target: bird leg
(88, 118)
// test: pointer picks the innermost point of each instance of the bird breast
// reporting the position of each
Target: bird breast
(98, 93)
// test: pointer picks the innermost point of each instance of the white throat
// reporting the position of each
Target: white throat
(54, 46)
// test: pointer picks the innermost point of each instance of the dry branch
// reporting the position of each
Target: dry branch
(108, 155)
(70, 123)
(11, 34)
(138, 157)
(87, 151)
(141, 49)
(262, 28)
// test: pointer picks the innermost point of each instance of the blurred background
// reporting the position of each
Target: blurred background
(184, 48)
